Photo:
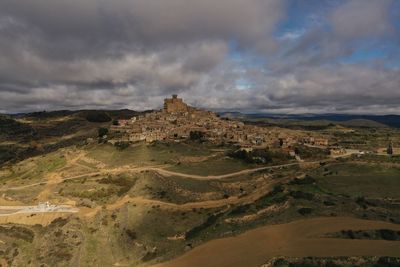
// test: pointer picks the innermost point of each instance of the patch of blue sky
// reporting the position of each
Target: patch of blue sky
(370, 52)
(243, 84)
(245, 59)
(364, 55)
(303, 15)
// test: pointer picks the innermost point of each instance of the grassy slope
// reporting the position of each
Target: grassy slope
(142, 154)
(360, 180)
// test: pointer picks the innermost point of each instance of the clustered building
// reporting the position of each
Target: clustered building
(177, 121)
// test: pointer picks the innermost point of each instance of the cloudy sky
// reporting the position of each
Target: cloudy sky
(275, 56)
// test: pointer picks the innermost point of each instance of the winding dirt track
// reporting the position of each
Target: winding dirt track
(155, 169)
(216, 177)
(190, 205)
(300, 238)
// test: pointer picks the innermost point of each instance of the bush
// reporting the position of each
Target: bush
(121, 145)
(329, 203)
(102, 132)
(131, 234)
(305, 181)
(7, 153)
(387, 262)
(241, 209)
(278, 188)
(17, 232)
(305, 211)
(350, 234)
(388, 234)
(276, 196)
(301, 195)
(257, 156)
(311, 152)
(209, 222)
(196, 135)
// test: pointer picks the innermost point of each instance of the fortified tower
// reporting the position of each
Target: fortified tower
(175, 105)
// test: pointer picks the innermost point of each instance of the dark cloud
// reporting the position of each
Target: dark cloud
(362, 18)
(57, 54)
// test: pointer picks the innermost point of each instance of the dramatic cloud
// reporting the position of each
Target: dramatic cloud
(225, 54)
(362, 18)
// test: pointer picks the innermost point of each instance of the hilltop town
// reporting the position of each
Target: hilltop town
(132, 188)
(177, 121)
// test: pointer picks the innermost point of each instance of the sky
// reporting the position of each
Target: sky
(267, 56)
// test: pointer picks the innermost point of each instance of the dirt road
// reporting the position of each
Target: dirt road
(296, 239)
(150, 168)
(190, 205)
(217, 177)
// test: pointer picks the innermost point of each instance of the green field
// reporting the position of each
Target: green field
(215, 166)
(143, 154)
(372, 181)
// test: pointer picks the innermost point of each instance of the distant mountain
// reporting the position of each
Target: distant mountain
(344, 119)
(117, 114)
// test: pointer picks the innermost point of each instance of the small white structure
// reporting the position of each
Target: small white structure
(42, 207)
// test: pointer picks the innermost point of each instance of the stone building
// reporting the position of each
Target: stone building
(175, 105)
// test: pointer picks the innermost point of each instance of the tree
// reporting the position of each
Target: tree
(390, 149)
(280, 142)
(102, 132)
(196, 135)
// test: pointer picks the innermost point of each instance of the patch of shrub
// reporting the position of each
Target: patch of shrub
(381, 234)
(10, 127)
(257, 156)
(7, 153)
(329, 203)
(131, 234)
(18, 232)
(277, 195)
(387, 262)
(350, 234)
(121, 145)
(241, 209)
(305, 181)
(280, 263)
(198, 229)
(311, 152)
(124, 183)
(361, 201)
(388, 234)
(149, 256)
(196, 135)
(301, 195)
(305, 211)
(59, 222)
(278, 188)
(102, 132)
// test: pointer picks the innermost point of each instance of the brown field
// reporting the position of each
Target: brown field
(300, 238)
